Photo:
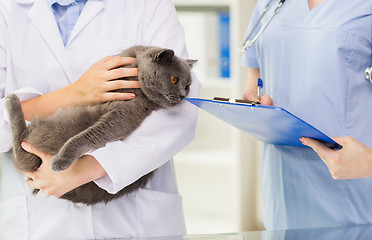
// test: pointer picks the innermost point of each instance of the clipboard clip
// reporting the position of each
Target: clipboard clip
(233, 100)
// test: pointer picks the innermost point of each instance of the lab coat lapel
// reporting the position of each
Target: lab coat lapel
(90, 10)
(43, 19)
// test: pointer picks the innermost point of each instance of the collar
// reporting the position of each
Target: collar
(62, 2)
(50, 2)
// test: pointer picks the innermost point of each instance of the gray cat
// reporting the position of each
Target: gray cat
(165, 80)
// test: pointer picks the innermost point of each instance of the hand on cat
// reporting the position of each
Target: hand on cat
(95, 84)
(252, 96)
(84, 170)
(353, 161)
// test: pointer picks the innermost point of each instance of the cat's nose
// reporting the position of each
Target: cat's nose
(182, 97)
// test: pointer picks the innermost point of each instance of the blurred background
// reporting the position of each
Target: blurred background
(218, 174)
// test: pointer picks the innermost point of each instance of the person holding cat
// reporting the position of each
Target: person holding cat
(312, 57)
(56, 54)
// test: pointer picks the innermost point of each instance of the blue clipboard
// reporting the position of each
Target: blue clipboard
(268, 124)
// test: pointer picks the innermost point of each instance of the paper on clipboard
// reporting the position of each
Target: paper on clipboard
(269, 124)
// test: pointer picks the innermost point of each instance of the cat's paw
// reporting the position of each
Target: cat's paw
(60, 164)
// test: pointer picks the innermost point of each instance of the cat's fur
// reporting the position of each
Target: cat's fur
(165, 80)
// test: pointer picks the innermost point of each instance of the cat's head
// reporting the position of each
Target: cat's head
(165, 78)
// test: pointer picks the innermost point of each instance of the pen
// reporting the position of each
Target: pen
(259, 88)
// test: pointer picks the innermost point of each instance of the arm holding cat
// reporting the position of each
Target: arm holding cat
(87, 168)
(80, 92)
(57, 184)
(166, 131)
(92, 87)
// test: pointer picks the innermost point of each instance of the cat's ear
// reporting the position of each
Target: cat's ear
(164, 56)
(191, 62)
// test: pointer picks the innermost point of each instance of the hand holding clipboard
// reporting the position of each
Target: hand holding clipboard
(269, 124)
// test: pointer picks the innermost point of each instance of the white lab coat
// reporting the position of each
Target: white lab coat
(34, 61)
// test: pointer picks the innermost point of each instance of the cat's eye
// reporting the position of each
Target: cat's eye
(174, 80)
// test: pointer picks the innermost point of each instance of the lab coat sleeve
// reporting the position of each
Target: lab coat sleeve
(5, 144)
(249, 57)
(23, 94)
(165, 132)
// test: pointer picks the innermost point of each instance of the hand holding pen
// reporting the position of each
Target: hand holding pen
(257, 95)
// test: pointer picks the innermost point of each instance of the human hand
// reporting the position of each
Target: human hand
(84, 170)
(353, 161)
(252, 96)
(96, 84)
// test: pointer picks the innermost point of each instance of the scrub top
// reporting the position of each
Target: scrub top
(312, 63)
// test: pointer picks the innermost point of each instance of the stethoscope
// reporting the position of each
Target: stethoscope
(368, 71)
(248, 43)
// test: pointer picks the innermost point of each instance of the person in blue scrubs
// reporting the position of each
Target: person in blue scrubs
(312, 58)
(353, 161)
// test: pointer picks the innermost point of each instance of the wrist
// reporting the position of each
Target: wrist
(73, 93)
(368, 160)
(84, 170)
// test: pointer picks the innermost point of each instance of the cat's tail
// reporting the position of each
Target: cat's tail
(17, 121)
(18, 128)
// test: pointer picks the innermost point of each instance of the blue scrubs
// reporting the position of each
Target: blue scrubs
(312, 63)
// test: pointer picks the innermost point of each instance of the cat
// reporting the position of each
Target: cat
(165, 81)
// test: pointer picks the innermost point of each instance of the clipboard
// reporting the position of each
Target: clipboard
(268, 124)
